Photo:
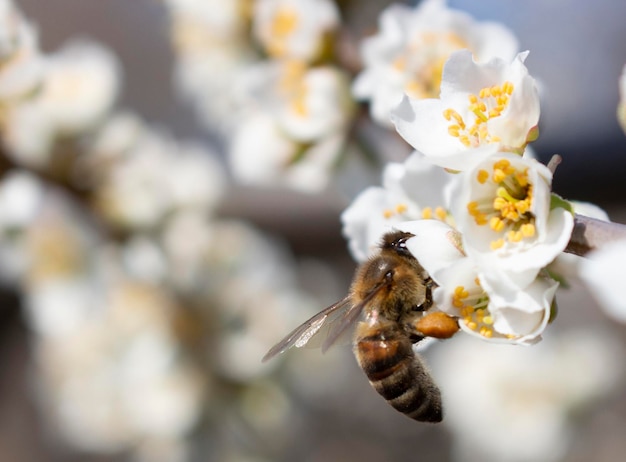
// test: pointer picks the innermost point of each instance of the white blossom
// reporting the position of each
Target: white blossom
(411, 190)
(503, 211)
(294, 29)
(80, 86)
(485, 308)
(511, 404)
(483, 108)
(408, 53)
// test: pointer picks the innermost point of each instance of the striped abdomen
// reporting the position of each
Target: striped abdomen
(393, 369)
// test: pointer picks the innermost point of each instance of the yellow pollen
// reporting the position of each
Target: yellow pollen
(441, 213)
(387, 213)
(285, 22)
(461, 292)
(471, 324)
(482, 176)
(486, 332)
(496, 224)
(427, 213)
(477, 281)
(495, 245)
(514, 236)
(488, 104)
(488, 320)
(528, 230)
(401, 208)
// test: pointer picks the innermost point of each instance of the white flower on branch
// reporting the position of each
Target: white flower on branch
(483, 107)
(295, 29)
(504, 212)
(411, 190)
(295, 127)
(407, 54)
(485, 308)
(81, 83)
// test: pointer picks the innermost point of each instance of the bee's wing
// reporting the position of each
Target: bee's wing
(350, 316)
(317, 325)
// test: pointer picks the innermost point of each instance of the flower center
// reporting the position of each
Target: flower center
(489, 104)
(293, 88)
(509, 212)
(472, 303)
(399, 209)
(421, 62)
(284, 23)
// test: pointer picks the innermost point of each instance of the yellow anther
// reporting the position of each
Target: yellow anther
(528, 230)
(427, 213)
(477, 281)
(488, 319)
(454, 130)
(508, 87)
(387, 213)
(401, 208)
(500, 203)
(471, 324)
(465, 140)
(496, 224)
(498, 175)
(522, 206)
(461, 292)
(482, 176)
(472, 207)
(486, 332)
(495, 245)
(514, 236)
(441, 213)
(285, 22)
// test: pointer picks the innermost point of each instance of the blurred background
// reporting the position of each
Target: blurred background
(156, 353)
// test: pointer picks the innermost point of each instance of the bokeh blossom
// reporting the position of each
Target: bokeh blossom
(408, 53)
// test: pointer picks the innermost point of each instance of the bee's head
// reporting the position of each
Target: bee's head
(395, 241)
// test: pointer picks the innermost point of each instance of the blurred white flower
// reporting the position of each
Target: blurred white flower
(81, 83)
(261, 155)
(503, 211)
(295, 29)
(511, 404)
(412, 190)
(603, 273)
(308, 103)
(212, 51)
(483, 108)
(21, 198)
(219, 20)
(408, 53)
(20, 58)
(158, 175)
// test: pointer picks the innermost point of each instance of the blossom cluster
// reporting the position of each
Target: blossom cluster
(145, 306)
(479, 205)
(263, 74)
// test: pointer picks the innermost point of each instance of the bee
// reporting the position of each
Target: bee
(386, 304)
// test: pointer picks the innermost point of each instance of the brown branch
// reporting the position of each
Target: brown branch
(590, 234)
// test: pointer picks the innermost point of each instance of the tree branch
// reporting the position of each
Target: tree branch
(590, 234)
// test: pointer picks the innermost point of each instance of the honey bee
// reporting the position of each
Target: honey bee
(387, 300)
